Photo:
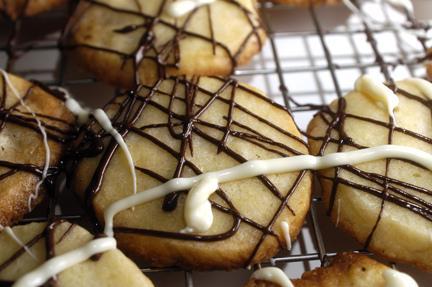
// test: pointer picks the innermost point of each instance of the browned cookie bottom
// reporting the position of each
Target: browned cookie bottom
(22, 149)
(346, 269)
(16, 8)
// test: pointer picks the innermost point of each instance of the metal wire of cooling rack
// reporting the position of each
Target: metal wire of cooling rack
(277, 70)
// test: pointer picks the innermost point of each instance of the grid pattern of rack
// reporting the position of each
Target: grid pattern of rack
(328, 54)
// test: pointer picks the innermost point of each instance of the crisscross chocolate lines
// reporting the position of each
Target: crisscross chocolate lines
(57, 129)
(47, 236)
(186, 125)
(165, 55)
(390, 189)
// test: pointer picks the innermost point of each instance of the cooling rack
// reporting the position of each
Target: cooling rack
(313, 55)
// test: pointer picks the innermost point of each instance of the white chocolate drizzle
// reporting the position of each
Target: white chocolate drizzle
(198, 213)
(15, 238)
(75, 108)
(395, 278)
(182, 7)
(34, 195)
(378, 92)
(102, 118)
(286, 234)
(425, 87)
(249, 169)
(204, 185)
(59, 263)
(105, 123)
(273, 275)
(260, 167)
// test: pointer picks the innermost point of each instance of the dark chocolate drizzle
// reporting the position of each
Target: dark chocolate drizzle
(184, 127)
(47, 236)
(391, 189)
(167, 55)
(60, 132)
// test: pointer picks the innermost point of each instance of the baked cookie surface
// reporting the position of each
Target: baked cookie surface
(23, 150)
(384, 204)
(16, 8)
(45, 241)
(181, 128)
(345, 269)
(124, 42)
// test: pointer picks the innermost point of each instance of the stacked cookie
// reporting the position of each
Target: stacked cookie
(35, 129)
(22, 8)
(194, 169)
